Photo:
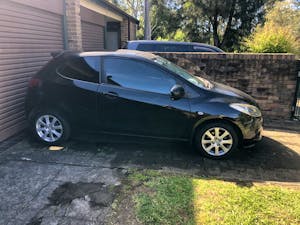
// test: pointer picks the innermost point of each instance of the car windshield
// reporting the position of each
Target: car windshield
(198, 81)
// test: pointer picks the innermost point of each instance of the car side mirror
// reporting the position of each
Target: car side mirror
(177, 92)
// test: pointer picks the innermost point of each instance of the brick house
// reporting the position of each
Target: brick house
(31, 29)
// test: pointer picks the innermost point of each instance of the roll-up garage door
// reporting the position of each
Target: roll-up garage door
(92, 37)
(27, 37)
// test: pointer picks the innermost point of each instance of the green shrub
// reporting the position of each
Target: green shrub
(272, 39)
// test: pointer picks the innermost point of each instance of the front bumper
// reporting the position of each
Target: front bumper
(248, 143)
(251, 130)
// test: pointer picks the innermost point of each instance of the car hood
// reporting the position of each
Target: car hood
(232, 92)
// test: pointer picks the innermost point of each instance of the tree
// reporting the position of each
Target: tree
(165, 20)
(281, 31)
(133, 7)
(222, 22)
(286, 14)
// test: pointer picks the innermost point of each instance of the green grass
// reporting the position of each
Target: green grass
(219, 202)
(174, 199)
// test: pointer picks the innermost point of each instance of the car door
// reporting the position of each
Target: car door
(76, 90)
(135, 99)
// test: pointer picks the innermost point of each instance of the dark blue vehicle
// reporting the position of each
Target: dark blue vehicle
(170, 46)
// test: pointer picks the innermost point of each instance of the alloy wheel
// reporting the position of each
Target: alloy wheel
(217, 141)
(49, 128)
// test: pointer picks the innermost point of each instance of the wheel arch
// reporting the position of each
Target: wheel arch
(57, 108)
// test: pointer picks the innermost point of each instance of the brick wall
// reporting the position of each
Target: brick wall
(133, 28)
(74, 32)
(74, 25)
(269, 78)
(124, 31)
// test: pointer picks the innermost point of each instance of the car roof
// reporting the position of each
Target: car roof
(174, 42)
(121, 52)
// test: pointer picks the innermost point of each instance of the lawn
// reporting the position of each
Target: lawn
(161, 198)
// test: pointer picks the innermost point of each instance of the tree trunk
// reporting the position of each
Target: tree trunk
(215, 30)
(228, 26)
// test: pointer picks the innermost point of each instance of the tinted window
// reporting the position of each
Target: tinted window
(147, 47)
(201, 49)
(137, 75)
(176, 48)
(199, 81)
(165, 47)
(81, 68)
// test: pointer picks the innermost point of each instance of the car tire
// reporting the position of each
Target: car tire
(49, 127)
(216, 140)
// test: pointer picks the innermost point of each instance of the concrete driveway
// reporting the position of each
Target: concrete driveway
(78, 184)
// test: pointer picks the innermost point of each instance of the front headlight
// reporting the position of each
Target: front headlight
(250, 110)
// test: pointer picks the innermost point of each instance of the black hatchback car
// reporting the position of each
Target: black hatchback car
(138, 94)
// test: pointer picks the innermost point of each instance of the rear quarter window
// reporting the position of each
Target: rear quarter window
(81, 68)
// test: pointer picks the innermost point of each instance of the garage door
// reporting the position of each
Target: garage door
(27, 37)
(92, 37)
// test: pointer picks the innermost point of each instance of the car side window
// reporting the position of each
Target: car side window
(130, 73)
(201, 49)
(147, 47)
(81, 68)
(176, 48)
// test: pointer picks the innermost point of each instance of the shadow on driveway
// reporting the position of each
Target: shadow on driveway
(269, 160)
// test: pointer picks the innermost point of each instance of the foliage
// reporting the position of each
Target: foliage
(222, 23)
(271, 39)
(179, 35)
(286, 14)
(132, 7)
(165, 20)
(140, 31)
(281, 31)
